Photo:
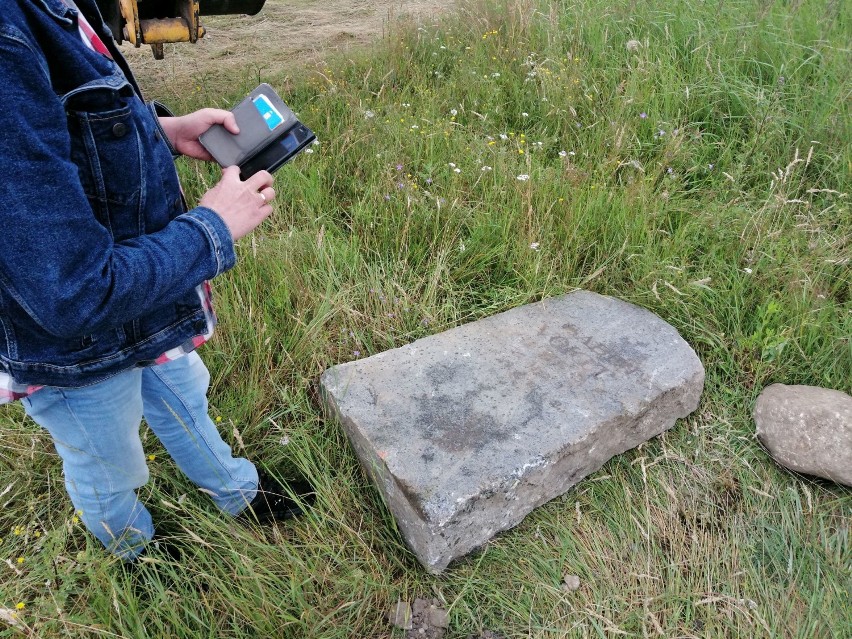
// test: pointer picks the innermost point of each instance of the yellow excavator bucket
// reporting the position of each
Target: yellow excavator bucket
(157, 22)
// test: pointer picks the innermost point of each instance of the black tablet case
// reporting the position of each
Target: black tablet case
(259, 145)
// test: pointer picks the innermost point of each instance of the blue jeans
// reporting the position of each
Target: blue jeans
(96, 433)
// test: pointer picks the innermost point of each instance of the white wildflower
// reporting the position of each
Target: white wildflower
(486, 168)
(534, 246)
(633, 45)
(369, 114)
(523, 177)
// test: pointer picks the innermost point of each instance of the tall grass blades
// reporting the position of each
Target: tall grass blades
(691, 157)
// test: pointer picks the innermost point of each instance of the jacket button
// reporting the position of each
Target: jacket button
(119, 129)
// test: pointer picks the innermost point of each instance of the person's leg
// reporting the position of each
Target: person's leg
(174, 396)
(96, 432)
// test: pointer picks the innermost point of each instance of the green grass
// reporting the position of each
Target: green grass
(733, 225)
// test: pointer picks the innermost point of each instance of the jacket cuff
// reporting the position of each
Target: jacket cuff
(161, 110)
(218, 234)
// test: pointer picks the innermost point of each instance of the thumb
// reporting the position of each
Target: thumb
(223, 117)
(230, 123)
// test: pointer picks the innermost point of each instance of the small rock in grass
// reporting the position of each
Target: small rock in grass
(487, 634)
(400, 615)
(807, 429)
(419, 607)
(571, 583)
(438, 617)
(428, 620)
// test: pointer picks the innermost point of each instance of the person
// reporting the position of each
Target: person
(104, 269)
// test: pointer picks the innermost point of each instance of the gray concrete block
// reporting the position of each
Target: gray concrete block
(465, 432)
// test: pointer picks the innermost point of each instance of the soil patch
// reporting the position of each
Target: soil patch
(283, 33)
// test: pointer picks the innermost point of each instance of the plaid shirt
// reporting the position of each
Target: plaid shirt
(10, 390)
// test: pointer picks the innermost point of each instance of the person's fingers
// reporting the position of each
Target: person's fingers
(260, 180)
(231, 173)
(267, 194)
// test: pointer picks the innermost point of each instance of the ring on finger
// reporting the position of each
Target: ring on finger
(262, 197)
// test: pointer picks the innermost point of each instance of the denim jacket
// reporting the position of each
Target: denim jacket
(99, 258)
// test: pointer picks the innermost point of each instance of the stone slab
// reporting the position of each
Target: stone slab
(465, 432)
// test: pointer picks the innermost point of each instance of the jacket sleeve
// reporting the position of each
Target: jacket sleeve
(56, 260)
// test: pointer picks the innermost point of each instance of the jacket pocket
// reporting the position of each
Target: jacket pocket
(106, 148)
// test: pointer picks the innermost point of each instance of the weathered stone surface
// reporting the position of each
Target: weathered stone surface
(465, 432)
(807, 429)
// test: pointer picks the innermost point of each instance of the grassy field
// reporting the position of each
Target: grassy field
(690, 157)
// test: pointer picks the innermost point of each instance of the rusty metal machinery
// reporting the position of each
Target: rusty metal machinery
(157, 22)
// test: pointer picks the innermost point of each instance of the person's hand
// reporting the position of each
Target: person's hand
(183, 131)
(241, 205)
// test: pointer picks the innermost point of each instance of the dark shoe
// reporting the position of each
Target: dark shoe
(160, 547)
(161, 566)
(276, 502)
